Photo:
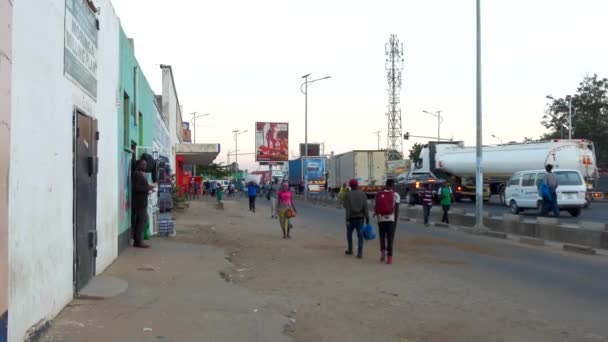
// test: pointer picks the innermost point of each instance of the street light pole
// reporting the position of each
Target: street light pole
(439, 120)
(479, 153)
(495, 137)
(569, 99)
(236, 133)
(378, 134)
(194, 124)
(305, 161)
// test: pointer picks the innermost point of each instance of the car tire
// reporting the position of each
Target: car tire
(575, 212)
(514, 208)
(503, 197)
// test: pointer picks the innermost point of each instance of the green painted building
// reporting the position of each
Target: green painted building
(137, 114)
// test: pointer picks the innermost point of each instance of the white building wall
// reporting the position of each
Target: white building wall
(172, 110)
(41, 187)
(109, 162)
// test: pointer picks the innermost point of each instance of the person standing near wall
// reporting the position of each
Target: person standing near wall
(139, 214)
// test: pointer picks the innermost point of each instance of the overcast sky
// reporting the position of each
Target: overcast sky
(242, 61)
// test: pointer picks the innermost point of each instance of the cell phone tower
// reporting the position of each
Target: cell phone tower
(394, 67)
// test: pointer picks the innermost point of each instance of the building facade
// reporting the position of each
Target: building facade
(62, 190)
(137, 112)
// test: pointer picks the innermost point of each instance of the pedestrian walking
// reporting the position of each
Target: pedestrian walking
(342, 193)
(275, 187)
(252, 192)
(285, 209)
(387, 211)
(427, 202)
(219, 193)
(355, 205)
(139, 214)
(213, 188)
(550, 204)
(446, 198)
(196, 189)
(231, 189)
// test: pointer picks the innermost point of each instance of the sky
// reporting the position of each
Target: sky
(242, 61)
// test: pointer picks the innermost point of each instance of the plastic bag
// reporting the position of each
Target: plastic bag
(369, 233)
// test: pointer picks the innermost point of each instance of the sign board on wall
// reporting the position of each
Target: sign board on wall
(271, 141)
(314, 150)
(80, 46)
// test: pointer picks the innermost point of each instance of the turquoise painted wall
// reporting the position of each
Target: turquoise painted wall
(133, 128)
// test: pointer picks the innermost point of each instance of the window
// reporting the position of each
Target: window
(528, 179)
(540, 177)
(568, 178)
(514, 180)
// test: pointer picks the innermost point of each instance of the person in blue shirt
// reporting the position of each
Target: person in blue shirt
(252, 191)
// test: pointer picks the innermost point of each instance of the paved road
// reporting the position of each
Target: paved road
(597, 211)
(556, 285)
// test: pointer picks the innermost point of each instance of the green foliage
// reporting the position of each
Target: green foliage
(414, 153)
(590, 121)
(215, 171)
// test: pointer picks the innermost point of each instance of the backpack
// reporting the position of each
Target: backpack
(385, 202)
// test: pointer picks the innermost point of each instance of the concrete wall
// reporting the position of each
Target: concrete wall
(41, 187)
(6, 10)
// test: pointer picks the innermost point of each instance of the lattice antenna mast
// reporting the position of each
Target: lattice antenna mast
(394, 67)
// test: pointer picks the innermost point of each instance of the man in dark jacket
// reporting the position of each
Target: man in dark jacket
(355, 205)
(139, 212)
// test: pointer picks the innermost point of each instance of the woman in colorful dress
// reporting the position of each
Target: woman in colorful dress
(284, 206)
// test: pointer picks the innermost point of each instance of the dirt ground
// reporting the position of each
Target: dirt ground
(315, 293)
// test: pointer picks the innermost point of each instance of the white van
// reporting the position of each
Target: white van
(522, 192)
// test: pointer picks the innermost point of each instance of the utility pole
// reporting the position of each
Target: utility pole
(479, 152)
(394, 66)
(304, 162)
(439, 121)
(236, 133)
(378, 134)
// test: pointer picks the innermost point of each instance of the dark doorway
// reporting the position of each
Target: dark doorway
(85, 199)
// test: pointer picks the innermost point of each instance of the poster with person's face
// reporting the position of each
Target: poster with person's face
(272, 141)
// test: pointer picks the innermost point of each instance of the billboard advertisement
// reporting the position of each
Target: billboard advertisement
(187, 134)
(271, 141)
(314, 149)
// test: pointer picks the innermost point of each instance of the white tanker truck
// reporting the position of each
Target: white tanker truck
(457, 163)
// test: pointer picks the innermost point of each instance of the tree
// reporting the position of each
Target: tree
(414, 154)
(589, 118)
(214, 171)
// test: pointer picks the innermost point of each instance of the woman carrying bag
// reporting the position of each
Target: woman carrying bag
(286, 209)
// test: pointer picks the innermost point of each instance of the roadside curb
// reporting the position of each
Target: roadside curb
(532, 241)
(497, 235)
(579, 249)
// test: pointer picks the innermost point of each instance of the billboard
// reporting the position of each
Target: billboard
(187, 134)
(271, 141)
(314, 149)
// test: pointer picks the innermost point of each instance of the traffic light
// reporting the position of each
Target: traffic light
(406, 136)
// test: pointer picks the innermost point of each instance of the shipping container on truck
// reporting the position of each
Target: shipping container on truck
(316, 167)
(457, 163)
(368, 167)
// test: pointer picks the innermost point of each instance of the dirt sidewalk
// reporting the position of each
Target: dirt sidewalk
(229, 276)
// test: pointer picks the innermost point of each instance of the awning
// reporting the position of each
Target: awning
(198, 154)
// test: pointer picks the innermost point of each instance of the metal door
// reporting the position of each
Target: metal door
(85, 199)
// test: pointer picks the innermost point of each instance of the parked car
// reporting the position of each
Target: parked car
(522, 191)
